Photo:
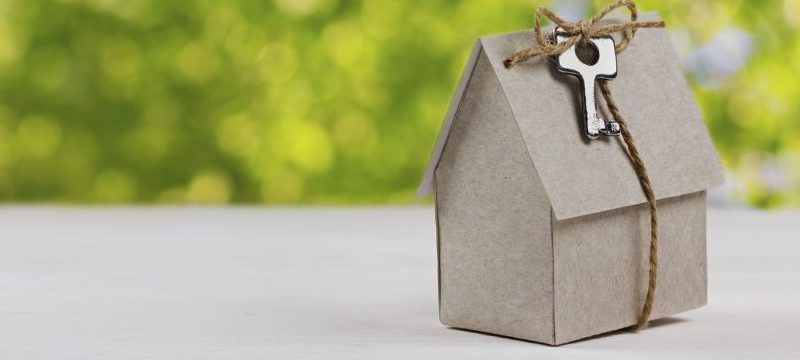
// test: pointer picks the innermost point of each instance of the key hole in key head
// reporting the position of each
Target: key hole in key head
(587, 52)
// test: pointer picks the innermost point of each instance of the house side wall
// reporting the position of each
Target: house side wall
(601, 266)
(495, 245)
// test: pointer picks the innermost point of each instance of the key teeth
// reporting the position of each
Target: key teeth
(612, 129)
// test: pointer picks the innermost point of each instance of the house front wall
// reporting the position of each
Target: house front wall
(601, 264)
(493, 218)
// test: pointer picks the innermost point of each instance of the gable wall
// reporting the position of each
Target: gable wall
(494, 222)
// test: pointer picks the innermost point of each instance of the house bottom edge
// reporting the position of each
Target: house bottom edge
(519, 336)
(655, 320)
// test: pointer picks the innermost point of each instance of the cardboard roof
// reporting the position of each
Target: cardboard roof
(583, 177)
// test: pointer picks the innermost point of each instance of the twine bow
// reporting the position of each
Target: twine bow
(582, 31)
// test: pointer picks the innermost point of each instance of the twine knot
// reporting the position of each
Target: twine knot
(586, 30)
(583, 31)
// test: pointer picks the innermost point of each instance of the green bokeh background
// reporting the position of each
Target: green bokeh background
(325, 101)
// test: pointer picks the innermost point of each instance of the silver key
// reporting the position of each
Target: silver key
(604, 68)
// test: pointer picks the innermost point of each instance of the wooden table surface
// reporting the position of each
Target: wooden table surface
(317, 283)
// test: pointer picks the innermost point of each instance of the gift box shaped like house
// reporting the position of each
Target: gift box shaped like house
(542, 234)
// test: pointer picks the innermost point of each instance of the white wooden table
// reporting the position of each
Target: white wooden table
(358, 283)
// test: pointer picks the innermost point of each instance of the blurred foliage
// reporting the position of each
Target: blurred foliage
(325, 101)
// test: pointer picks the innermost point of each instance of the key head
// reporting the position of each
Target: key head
(605, 67)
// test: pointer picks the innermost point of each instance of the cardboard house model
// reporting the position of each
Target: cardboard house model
(542, 234)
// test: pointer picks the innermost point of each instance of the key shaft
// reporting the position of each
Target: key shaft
(588, 97)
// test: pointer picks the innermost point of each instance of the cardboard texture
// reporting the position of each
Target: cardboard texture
(542, 234)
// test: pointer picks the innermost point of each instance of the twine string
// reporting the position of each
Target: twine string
(647, 188)
(582, 31)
